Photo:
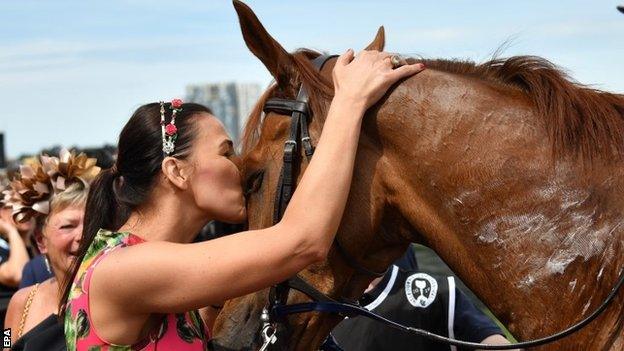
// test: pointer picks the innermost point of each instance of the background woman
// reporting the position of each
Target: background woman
(54, 192)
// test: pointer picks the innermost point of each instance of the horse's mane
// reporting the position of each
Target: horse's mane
(579, 120)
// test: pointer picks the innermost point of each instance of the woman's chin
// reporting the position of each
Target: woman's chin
(235, 217)
(240, 216)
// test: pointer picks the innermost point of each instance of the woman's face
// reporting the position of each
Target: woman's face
(215, 180)
(61, 237)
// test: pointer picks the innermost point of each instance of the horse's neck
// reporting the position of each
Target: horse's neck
(540, 244)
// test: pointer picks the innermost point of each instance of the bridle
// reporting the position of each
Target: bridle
(299, 115)
(299, 136)
(277, 308)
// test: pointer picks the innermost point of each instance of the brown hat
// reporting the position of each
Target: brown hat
(29, 194)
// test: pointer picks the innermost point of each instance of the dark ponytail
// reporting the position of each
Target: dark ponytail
(118, 191)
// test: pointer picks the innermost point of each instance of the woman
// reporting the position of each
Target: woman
(138, 283)
(56, 193)
(14, 250)
(14, 254)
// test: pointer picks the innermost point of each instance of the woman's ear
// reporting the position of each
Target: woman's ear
(40, 242)
(176, 171)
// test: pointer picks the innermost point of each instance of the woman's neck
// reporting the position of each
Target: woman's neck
(167, 220)
(51, 292)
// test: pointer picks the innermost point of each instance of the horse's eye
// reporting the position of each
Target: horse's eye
(254, 182)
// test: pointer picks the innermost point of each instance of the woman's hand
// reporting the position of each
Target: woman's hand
(6, 229)
(11, 269)
(365, 79)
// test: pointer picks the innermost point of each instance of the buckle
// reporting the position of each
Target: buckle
(289, 149)
(307, 146)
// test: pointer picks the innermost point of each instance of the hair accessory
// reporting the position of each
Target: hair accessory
(42, 177)
(169, 131)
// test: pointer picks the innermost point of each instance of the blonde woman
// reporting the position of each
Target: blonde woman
(56, 195)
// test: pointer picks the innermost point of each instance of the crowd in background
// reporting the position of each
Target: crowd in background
(21, 261)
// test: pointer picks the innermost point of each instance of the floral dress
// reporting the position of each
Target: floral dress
(182, 331)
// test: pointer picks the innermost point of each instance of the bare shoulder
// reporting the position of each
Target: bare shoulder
(130, 258)
(18, 299)
(123, 267)
(16, 306)
(49, 289)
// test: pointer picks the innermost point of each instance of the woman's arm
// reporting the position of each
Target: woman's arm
(162, 277)
(11, 270)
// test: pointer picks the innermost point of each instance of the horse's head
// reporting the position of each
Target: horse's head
(238, 326)
(459, 158)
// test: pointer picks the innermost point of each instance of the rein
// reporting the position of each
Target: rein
(277, 307)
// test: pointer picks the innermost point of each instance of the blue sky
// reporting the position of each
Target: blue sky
(72, 72)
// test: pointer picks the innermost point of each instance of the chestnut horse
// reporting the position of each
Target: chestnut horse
(507, 169)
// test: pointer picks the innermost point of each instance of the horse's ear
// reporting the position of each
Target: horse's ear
(379, 42)
(277, 60)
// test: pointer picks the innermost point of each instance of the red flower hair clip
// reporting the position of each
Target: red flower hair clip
(169, 131)
(176, 103)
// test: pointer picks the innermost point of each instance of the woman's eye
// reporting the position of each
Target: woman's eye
(254, 182)
(68, 226)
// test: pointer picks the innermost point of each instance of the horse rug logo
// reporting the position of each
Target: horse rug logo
(421, 289)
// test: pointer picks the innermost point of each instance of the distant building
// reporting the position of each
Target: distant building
(3, 161)
(230, 102)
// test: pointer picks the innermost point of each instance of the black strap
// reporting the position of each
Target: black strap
(298, 127)
(299, 111)
(306, 141)
(299, 284)
(291, 151)
(286, 106)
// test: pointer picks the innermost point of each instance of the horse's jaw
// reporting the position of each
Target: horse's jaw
(310, 331)
(238, 327)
